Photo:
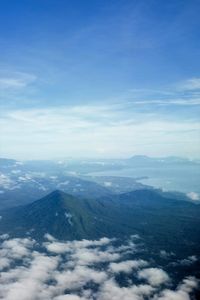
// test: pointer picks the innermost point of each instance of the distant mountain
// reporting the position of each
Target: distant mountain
(141, 160)
(160, 220)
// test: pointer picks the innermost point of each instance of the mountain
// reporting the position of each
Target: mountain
(24, 182)
(163, 222)
(142, 160)
(60, 214)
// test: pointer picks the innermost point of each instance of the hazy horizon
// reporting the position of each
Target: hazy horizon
(79, 158)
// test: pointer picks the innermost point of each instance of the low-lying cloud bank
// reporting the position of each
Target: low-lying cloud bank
(102, 269)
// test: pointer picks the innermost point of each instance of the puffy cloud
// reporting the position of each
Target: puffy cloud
(27, 283)
(4, 262)
(68, 297)
(16, 248)
(112, 291)
(64, 247)
(154, 276)
(78, 277)
(91, 256)
(182, 292)
(82, 270)
(57, 247)
(127, 266)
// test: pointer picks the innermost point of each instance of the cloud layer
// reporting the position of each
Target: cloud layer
(114, 130)
(88, 269)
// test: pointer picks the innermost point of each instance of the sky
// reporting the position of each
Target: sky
(99, 79)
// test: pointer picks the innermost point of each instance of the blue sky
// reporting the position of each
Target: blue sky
(99, 78)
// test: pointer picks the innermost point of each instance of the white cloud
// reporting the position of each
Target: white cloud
(4, 262)
(36, 274)
(29, 283)
(78, 277)
(170, 102)
(154, 276)
(193, 196)
(64, 247)
(49, 237)
(16, 80)
(5, 181)
(57, 247)
(4, 236)
(188, 261)
(16, 248)
(191, 84)
(69, 297)
(127, 266)
(65, 132)
(91, 256)
(107, 183)
(181, 293)
(112, 291)
(69, 218)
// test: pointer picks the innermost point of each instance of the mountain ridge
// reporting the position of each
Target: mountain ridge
(143, 212)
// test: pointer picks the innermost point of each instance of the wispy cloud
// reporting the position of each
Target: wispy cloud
(15, 80)
(185, 93)
(169, 102)
(191, 84)
(148, 121)
(112, 130)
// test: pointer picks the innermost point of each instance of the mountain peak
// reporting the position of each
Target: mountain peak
(57, 193)
(54, 200)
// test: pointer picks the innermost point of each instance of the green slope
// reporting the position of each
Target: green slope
(165, 223)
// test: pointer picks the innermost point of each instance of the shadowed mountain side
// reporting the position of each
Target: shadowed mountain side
(62, 215)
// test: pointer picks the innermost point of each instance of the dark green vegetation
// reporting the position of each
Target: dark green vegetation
(164, 223)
